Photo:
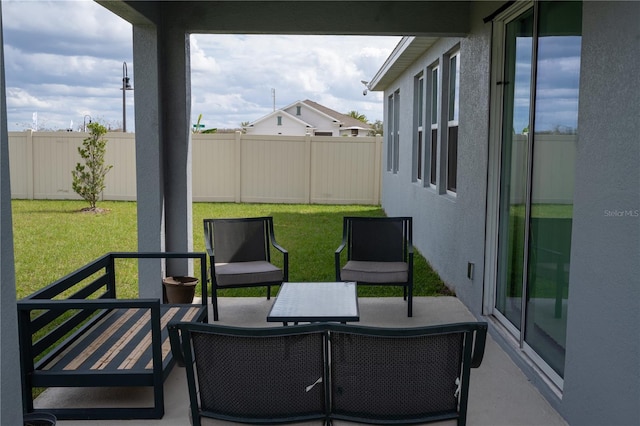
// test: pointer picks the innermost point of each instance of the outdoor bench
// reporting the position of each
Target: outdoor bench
(75, 332)
(329, 371)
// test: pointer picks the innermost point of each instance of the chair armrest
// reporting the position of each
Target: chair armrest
(278, 247)
(93, 304)
(285, 253)
(480, 338)
(208, 237)
(285, 262)
(337, 257)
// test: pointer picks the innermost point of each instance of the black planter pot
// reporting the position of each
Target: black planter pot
(39, 419)
(180, 289)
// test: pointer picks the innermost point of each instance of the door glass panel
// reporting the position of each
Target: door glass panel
(513, 180)
(554, 147)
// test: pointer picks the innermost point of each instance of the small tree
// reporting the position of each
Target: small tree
(358, 116)
(377, 128)
(88, 178)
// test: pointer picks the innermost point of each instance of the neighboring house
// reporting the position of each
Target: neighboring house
(304, 117)
(515, 149)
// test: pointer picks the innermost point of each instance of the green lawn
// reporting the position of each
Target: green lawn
(53, 238)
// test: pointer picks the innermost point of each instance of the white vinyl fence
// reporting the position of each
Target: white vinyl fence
(229, 167)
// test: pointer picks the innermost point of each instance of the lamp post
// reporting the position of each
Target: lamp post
(84, 122)
(125, 86)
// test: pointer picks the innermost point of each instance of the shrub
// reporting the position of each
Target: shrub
(88, 178)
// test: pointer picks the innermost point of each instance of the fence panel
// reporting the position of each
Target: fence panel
(54, 157)
(273, 169)
(345, 173)
(214, 162)
(226, 167)
(20, 166)
(120, 182)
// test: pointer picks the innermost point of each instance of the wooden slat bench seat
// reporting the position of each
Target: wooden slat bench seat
(92, 339)
(120, 343)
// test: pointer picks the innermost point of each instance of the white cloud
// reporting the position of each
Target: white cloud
(326, 69)
(64, 60)
(18, 98)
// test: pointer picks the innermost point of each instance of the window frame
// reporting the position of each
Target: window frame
(389, 132)
(453, 120)
(433, 89)
(418, 132)
(393, 139)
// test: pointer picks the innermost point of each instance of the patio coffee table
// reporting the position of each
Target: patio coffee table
(315, 302)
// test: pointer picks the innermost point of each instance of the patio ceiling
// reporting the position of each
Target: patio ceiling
(427, 18)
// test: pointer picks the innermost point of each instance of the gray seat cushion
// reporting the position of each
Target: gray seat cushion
(375, 272)
(249, 273)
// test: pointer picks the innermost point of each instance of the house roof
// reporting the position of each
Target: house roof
(345, 120)
(406, 52)
(283, 113)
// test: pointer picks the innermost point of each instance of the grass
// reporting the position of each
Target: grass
(53, 238)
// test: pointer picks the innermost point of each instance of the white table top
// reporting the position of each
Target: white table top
(316, 301)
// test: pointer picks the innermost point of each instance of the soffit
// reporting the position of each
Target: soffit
(408, 50)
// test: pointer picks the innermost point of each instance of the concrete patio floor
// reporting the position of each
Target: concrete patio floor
(500, 394)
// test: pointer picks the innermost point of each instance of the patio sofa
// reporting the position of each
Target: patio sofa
(328, 371)
(75, 332)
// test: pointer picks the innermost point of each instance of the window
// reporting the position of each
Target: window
(433, 137)
(396, 131)
(354, 132)
(452, 121)
(279, 120)
(418, 119)
(393, 137)
(390, 133)
(298, 110)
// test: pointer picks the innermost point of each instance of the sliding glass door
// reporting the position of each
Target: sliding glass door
(539, 89)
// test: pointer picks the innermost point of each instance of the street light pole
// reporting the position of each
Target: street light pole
(125, 86)
(84, 122)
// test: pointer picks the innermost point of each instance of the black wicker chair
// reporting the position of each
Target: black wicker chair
(240, 256)
(379, 252)
(254, 376)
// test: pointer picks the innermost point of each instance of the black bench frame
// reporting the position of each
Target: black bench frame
(63, 320)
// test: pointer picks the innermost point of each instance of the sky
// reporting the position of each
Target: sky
(64, 67)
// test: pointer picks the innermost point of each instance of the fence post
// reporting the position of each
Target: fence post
(29, 166)
(377, 171)
(307, 176)
(238, 167)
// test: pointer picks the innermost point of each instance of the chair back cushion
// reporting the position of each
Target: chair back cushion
(256, 378)
(381, 240)
(395, 378)
(240, 240)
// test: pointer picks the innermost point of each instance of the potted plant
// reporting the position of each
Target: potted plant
(39, 419)
(180, 289)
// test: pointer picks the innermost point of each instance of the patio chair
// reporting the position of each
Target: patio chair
(405, 376)
(239, 253)
(253, 375)
(379, 252)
